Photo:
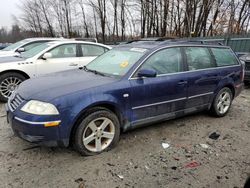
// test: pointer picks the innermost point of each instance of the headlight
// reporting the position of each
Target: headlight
(39, 108)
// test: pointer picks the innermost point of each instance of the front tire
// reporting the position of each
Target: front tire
(9, 83)
(222, 102)
(97, 132)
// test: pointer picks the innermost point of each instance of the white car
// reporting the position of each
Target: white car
(44, 59)
(25, 45)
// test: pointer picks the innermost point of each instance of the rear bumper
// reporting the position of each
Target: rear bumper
(34, 132)
(238, 89)
(247, 76)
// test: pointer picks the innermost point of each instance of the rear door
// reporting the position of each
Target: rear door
(89, 52)
(163, 94)
(203, 76)
(64, 57)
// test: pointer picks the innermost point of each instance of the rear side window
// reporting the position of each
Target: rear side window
(224, 57)
(198, 58)
(92, 50)
(165, 61)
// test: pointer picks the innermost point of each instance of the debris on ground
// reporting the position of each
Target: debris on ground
(214, 135)
(79, 180)
(205, 146)
(192, 164)
(165, 145)
(120, 176)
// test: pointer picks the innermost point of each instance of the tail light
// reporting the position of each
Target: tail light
(242, 74)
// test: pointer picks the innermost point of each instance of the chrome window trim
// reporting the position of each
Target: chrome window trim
(36, 123)
(169, 101)
(172, 46)
(160, 75)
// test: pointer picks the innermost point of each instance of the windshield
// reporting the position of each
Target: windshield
(15, 45)
(116, 62)
(34, 51)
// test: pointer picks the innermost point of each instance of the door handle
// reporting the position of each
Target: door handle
(182, 82)
(73, 64)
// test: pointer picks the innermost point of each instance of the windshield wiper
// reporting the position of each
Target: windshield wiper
(94, 71)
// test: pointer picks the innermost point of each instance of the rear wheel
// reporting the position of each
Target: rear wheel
(222, 102)
(8, 84)
(98, 132)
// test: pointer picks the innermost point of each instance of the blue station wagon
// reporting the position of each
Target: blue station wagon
(130, 86)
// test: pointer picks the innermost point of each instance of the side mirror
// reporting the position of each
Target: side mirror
(46, 56)
(20, 50)
(146, 73)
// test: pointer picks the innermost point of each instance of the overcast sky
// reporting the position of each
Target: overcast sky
(8, 8)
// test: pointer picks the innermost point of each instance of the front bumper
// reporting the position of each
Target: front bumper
(34, 132)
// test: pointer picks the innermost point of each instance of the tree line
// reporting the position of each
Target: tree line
(118, 20)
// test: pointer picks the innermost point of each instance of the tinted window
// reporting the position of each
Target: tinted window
(92, 50)
(32, 45)
(198, 58)
(165, 61)
(224, 57)
(64, 51)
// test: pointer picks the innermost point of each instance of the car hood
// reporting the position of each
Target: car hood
(7, 53)
(10, 59)
(55, 85)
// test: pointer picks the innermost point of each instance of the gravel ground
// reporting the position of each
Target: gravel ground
(140, 160)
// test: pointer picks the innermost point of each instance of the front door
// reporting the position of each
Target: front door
(161, 95)
(64, 57)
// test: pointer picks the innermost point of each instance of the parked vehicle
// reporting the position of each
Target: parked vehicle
(129, 86)
(46, 58)
(24, 45)
(246, 59)
(3, 45)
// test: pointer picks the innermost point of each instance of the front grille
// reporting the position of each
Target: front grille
(247, 66)
(15, 101)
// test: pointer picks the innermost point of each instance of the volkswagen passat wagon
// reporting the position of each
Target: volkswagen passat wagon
(130, 86)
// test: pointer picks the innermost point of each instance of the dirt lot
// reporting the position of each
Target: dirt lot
(140, 160)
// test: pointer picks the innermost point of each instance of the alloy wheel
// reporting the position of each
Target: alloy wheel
(224, 102)
(98, 134)
(9, 85)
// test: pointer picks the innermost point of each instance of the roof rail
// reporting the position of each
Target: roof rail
(151, 39)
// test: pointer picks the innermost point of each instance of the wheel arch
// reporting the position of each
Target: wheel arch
(93, 107)
(16, 71)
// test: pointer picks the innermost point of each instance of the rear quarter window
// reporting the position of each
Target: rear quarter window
(224, 57)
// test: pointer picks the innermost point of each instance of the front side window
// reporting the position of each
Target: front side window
(224, 57)
(36, 50)
(116, 62)
(165, 61)
(198, 58)
(92, 50)
(64, 51)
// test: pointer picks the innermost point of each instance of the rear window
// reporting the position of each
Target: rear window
(224, 57)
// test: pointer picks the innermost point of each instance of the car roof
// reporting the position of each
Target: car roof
(43, 38)
(68, 41)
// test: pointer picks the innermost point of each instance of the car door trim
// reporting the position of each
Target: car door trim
(169, 101)
(158, 103)
(200, 95)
